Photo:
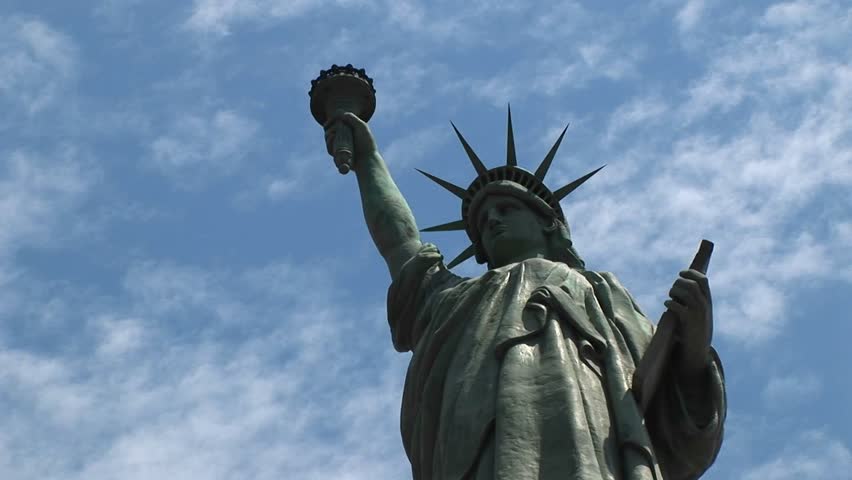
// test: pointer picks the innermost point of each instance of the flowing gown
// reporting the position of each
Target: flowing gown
(524, 373)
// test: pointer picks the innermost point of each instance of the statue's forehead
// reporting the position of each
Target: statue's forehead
(496, 198)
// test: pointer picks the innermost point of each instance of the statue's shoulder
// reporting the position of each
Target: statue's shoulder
(425, 272)
(596, 277)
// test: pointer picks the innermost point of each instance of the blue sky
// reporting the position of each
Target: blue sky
(188, 288)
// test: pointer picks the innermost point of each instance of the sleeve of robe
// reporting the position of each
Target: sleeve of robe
(411, 298)
(686, 426)
(421, 277)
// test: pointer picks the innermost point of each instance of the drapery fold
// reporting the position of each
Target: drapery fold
(525, 371)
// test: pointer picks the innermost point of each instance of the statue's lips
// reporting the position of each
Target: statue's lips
(498, 230)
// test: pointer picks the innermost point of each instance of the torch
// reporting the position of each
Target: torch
(346, 89)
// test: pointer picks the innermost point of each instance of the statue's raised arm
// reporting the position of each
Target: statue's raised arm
(386, 212)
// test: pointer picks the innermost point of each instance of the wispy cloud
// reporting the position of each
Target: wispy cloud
(411, 149)
(217, 16)
(301, 173)
(404, 81)
(119, 336)
(211, 373)
(571, 69)
(811, 456)
(197, 147)
(38, 193)
(796, 13)
(792, 388)
(778, 59)
(643, 111)
(689, 15)
(37, 63)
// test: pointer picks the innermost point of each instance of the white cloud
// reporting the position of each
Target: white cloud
(216, 16)
(439, 22)
(120, 336)
(410, 149)
(280, 188)
(37, 64)
(212, 374)
(756, 314)
(811, 456)
(643, 111)
(200, 146)
(407, 13)
(38, 192)
(558, 20)
(403, 79)
(457, 25)
(689, 15)
(498, 89)
(116, 13)
(613, 63)
(302, 173)
(776, 60)
(790, 389)
(47, 384)
(792, 14)
(841, 234)
(551, 74)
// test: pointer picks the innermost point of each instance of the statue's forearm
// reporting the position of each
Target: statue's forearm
(387, 214)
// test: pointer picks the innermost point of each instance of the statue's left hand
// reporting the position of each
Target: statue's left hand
(691, 302)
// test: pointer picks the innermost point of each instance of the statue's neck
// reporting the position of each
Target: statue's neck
(520, 258)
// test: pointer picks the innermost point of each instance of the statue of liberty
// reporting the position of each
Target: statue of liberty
(524, 372)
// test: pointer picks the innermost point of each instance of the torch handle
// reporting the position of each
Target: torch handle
(343, 147)
(655, 361)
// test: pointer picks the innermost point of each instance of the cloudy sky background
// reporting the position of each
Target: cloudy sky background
(187, 288)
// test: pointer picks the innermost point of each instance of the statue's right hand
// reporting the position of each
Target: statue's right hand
(364, 144)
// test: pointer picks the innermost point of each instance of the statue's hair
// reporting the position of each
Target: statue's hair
(560, 246)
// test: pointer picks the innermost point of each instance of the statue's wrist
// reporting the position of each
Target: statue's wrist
(692, 365)
(367, 161)
(692, 351)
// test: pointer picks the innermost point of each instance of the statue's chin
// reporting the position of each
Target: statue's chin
(507, 248)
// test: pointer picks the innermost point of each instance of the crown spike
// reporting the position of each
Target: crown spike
(542, 169)
(564, 191)
(446, 227)
(454, 189)
(464, 255)
(511, 159)
(477, 163)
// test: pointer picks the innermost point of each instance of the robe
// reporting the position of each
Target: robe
(525, 373)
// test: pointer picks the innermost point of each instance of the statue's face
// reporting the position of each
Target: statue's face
(510, 231)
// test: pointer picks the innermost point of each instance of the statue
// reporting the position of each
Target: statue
(525, 372)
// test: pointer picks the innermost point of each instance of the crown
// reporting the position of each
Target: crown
(508, 179)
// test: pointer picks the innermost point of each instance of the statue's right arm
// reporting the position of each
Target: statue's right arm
(388, 217)
(387, 214)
